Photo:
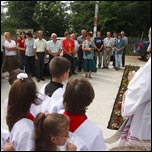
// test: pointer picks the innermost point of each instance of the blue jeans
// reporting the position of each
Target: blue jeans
(22, 60)
(118, 60)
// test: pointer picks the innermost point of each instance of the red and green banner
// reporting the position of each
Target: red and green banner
(116, 119)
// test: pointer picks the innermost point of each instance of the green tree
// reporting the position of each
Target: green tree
(51, 17)
(133, 17)
(19, 15)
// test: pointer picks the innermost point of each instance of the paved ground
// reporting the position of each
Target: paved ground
(106, 84)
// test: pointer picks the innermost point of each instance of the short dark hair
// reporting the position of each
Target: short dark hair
(29, 34)
(119, 34)
(13, 75)
(22, 32)
(78, 95)
(58, 66)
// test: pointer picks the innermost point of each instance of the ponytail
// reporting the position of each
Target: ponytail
(38, 123)
(47, 126)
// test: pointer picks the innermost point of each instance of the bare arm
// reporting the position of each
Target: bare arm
(19, 48)
(11, 48)
(83, 48)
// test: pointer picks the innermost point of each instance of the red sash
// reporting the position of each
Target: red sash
(75, 120)
(30, 116)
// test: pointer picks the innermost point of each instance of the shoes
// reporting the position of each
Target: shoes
(90, 76)
(74, 73)
(116, 68)
(38, 80)
(86, 76)
(103, 67)
(42, 79)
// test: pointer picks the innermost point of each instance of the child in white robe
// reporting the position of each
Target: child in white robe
(12, 77)
(77, 97)
(22, 94)
(51, 132)
(59, 68)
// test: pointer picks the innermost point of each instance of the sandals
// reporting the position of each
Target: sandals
(88, 76)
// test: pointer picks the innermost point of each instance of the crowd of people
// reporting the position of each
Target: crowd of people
(54, 118)
(30, 53)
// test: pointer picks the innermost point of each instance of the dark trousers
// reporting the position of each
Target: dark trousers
(80, 59)
(30, 65)
(114, 58)
(75, 63)
(123, 57)
(70, 58)
(2, 56)
(22, 60)
(40, 65)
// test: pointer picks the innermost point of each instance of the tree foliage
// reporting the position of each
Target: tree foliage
(133, 17)
(50, 16)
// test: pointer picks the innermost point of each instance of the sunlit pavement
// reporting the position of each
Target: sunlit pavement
(105, 83)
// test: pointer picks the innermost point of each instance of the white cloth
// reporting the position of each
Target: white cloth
(108, 42)
(54, 47)
(10, 44)
(22, 135)
(4, 136)
(91, 135)
(29, 43)
(40, 45)
(78, 142)
(53, 104)
(137, 105)
(76, 48)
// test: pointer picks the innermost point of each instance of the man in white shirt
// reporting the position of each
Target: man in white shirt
(39, 51)
(108, 44)
(54, 47)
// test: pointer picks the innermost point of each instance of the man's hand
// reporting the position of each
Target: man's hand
(36, 57)
(131, 75)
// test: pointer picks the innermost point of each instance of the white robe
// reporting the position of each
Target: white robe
(4, 136)
(78, 142)
(22, 135)
(53, 104)
(137, 106)
(91, 135)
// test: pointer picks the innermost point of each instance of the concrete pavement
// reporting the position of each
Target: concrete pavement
(105, 83)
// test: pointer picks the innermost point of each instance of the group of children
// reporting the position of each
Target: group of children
(60, 122)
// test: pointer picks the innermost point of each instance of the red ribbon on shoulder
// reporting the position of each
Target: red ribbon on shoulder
(30, 116)
(75, 120)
